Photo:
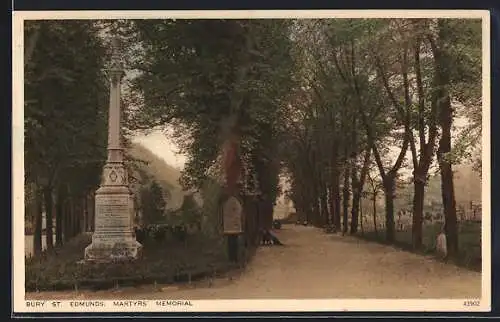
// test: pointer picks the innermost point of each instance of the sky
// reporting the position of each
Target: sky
(163, 147)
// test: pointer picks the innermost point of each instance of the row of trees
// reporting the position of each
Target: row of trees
(66, 99)
(374, 91)
(66, 114)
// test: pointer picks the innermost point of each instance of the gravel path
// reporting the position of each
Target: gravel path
(316, 265)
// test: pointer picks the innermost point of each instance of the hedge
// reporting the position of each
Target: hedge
(163, 262)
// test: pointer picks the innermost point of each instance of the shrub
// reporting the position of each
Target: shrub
(161, 262)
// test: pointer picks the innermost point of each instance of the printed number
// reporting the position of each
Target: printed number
(471, 303)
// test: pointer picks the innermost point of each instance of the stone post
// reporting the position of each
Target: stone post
(114, 238)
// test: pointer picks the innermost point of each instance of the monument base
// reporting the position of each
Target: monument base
(113, 239)
(122, 250)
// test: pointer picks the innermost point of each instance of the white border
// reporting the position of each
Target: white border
(438, 305)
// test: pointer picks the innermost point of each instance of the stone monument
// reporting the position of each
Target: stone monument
(114, 238)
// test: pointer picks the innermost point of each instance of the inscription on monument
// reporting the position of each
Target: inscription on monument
(232, 211)
(113, 213)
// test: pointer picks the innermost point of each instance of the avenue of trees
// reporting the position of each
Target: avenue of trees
(373, 90)
(321, 102)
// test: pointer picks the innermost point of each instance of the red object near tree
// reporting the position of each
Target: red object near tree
(231, 163)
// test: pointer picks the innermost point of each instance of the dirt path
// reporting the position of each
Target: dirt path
(316, 265)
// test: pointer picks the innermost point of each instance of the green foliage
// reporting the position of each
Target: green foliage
(152, 203)
(199, 74)
(66, 102)
(173, 262)
(190, 210)
(65, 110)
(465, 74)
(211, 223)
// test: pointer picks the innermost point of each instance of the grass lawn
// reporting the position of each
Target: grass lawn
(469, 241)
(167, 261)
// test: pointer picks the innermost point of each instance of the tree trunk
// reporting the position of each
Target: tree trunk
(447, 191)
(83, 214)
(71, 217)
(345, 200)
(258, 217)
(85, 219)
(247, 225)
(76, 215)
(319, 215)
(361, 219)
(49, 207)
(254, 218)
(66, 220)
(389, 187)
(418, 213)
(329, 199)
(270, 214)
(265, 214)
(79, 217)
(421, 163)
(335, 188)
(375, 213)
(54, 213)
(37, 237)
(331, 204)
(255, 211)
(357, 189)
(356, 199)
(336, 201)
(315, 209)
(315, 198)
(445, 122)
(324, 205)
(305, 193)
(450, 214)
(59, 216)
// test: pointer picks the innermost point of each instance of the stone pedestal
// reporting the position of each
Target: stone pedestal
(114, 237)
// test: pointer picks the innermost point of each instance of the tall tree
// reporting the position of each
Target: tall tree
(239, 66)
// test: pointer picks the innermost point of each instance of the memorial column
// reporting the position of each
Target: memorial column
(113, 237)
